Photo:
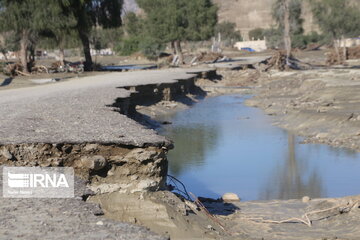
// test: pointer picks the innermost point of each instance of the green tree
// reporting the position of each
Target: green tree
(257, 33)
(338, 18)
(8, 42)
(287, 14)
(228, 32)
(59, 24)
(17, 16)
(93, 13)
(175, 21)
(295, 11)
(133, 25)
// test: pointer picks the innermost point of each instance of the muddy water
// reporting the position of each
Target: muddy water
(224, 146)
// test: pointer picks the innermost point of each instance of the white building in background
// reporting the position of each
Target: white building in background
(350, 42)
(255, 45)
(9, 55)
(102, 52)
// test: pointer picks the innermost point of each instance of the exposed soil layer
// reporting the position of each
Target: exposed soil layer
(108, 168)
(163, 212)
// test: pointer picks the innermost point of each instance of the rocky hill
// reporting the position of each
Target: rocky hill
(247, 14)
(256, 14)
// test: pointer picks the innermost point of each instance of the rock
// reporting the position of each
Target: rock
(230, 197)
(322, 135)
(306, 199)
(90, 147)
(141, 155)
(100, 223)
(7, 154)
(93, 162)
(210, 227)
(146, 185)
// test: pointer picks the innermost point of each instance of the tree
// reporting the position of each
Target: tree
(294, 8)
(8, 42)
(133, 25)
(59, 24)
(287, 14)
(175, 21)
(287, 37)
(257, 33)
(93, 13)
(227, 32)
(338, 18)
(17, 16)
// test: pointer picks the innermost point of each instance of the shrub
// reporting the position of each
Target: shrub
(128, 46)
(257, 33)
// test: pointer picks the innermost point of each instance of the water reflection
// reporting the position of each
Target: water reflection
(223, 146)
(197, 141)
(293, 180)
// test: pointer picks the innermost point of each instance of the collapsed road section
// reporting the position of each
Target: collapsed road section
(77, 124)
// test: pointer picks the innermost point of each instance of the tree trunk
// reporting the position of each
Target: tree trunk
(337, 50)
(61, 44)
(173, 47)
(62, 56)
(287, 38)
(179, 51)
(88, 64)
(344, 49)
(24, 43)
(31, 56)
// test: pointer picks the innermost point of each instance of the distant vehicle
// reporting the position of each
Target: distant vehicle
(248, 49)
(77, 67)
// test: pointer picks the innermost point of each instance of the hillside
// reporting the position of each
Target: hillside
(256, 13)
(246, 14)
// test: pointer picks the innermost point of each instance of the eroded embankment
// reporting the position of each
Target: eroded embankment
(161, 211)
(78, 125)
(108, 167)
(322, 105)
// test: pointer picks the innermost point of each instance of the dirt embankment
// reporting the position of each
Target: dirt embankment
(322, 105)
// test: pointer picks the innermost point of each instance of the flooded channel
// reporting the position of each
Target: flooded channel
(222, 146)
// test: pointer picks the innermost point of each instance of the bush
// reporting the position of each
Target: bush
(301, 41)
(257, 33)
(274, 38)
(229, 34)
(151, 48)
(128, 46)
